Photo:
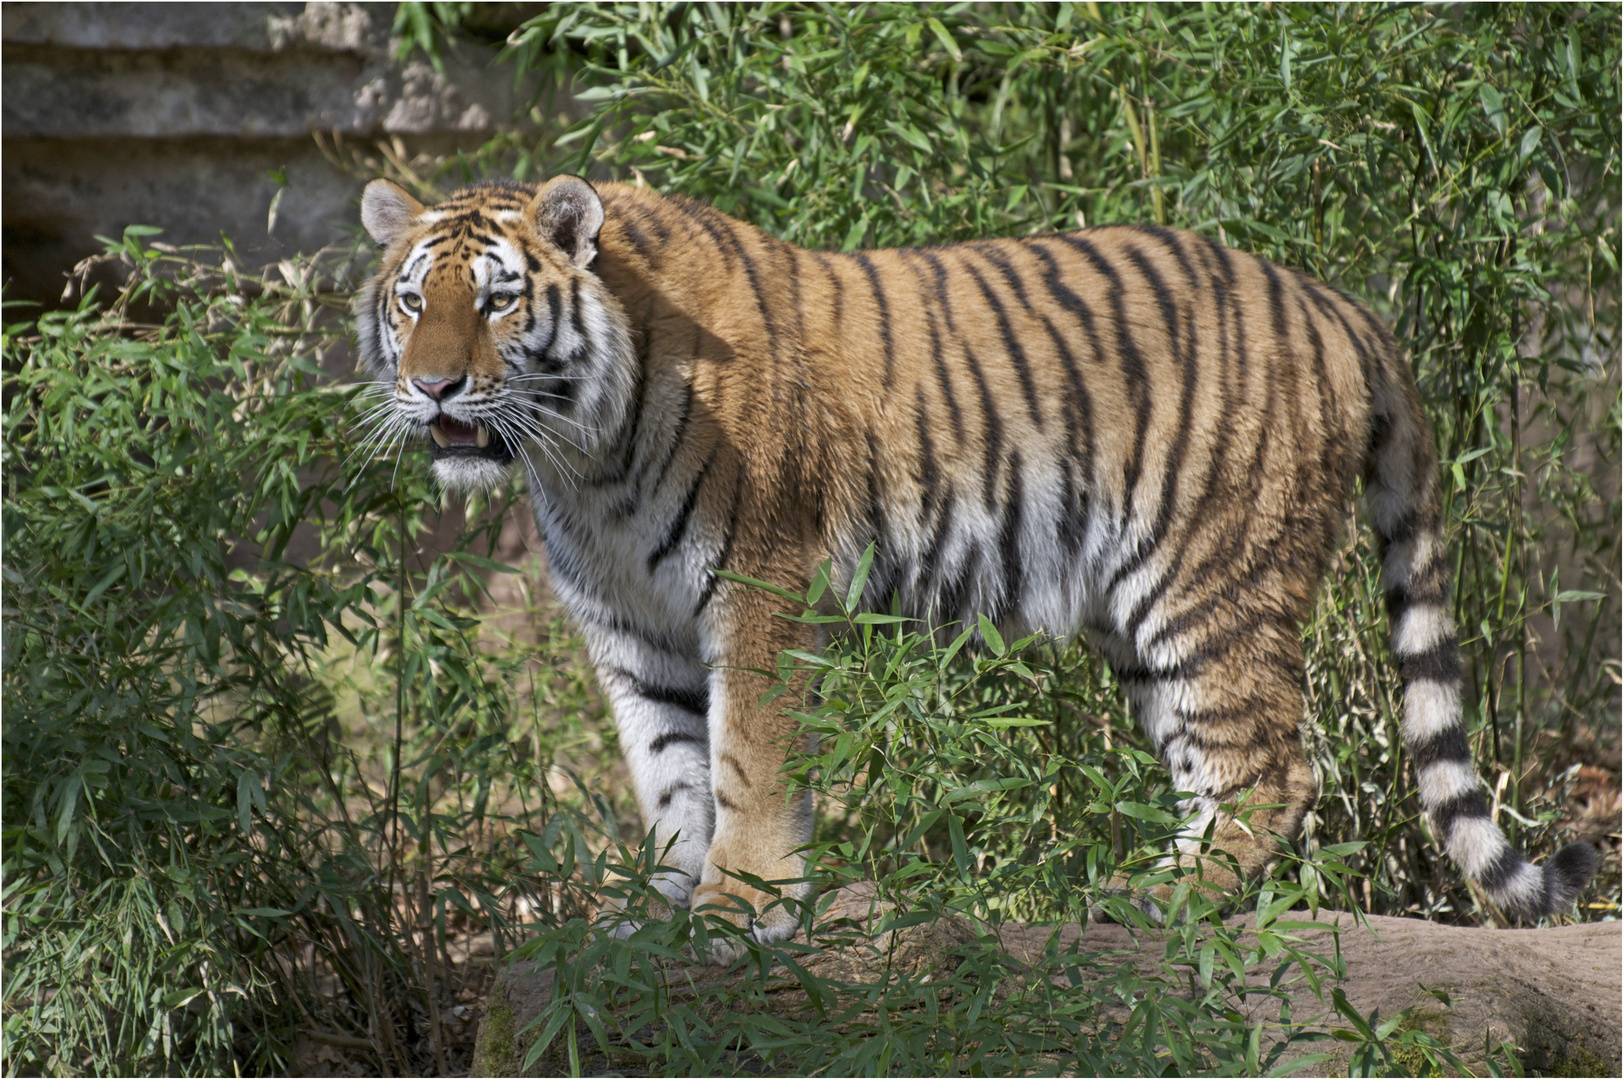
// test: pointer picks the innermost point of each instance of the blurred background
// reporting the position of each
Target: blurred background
(195, 118)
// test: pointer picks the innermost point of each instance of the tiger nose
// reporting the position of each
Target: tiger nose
(440, 389)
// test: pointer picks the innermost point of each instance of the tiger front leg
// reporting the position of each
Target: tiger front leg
(760, 824)
(661, 705)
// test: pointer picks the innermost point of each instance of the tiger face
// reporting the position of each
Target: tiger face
(485, 319)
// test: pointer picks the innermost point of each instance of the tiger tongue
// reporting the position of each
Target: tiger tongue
(458, 434)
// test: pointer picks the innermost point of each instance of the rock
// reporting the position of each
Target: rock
(1553, 993)
(177, 115)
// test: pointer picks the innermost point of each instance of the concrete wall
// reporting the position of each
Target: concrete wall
(175, 115)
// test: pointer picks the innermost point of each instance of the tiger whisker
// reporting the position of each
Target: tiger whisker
(535, 429)
(543, 442)
(384, 435)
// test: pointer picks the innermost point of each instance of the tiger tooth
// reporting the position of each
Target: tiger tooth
(483, 438)
(438, 436)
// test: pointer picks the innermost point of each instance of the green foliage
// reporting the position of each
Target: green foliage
(245, 786)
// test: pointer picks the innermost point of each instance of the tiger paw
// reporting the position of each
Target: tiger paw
(761, 915)
(1151, 901)
(621, 919)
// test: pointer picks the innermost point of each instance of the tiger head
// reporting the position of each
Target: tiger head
(487, 318)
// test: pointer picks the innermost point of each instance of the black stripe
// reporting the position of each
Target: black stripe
(723, 801)
(727, 544)
(653, 220)
(795, 297)
(679, 525)
(993, 253)
(724, 235)
(1499, 873)
(954, 597)
(1186, 667)
(577, 320)
(992, 439)
(1077, 408)
(837, 287)
(1361, 347)
(555, 308)
(612, 621)
(705, 218)
(1440, 664)
(1186, 358)
(666, 795)
(885, 311)
(881, 572)
(1081, 402)
(474, 218)
(691, 701)
(1012, 345)
(639, 239)
(1130, 360)
(1256, 737)
(1277, 306)
(930, 561)
(929, 474)
(676, 435)
(528, 304)
(733, 762)
(1071, 525)
(1009, 538)
(631, 426)
(563, 392)
(670, 737)
(1447, 745)
(943, 379)
(1401, 598)
(1471, 804)
(1322, 376)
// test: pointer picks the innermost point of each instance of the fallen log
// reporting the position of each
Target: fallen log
(1554, 994)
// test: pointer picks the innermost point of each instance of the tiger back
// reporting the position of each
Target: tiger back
(1129, 433)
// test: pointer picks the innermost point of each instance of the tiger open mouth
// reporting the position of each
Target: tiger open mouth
(453, 438)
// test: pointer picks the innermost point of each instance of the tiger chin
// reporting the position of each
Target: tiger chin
(1133, 434)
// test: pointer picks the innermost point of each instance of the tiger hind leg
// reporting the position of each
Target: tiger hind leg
(1226, 727)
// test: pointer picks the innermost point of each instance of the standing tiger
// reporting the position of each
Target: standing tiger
(1129, 432)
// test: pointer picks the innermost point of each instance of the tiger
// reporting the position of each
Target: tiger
(1129, 433)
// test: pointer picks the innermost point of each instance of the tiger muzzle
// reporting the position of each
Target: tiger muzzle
(452, 438)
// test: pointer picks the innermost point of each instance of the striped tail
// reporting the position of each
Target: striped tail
(1404, 500)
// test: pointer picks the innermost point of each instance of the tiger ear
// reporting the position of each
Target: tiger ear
(387, 211)
(568, 212)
